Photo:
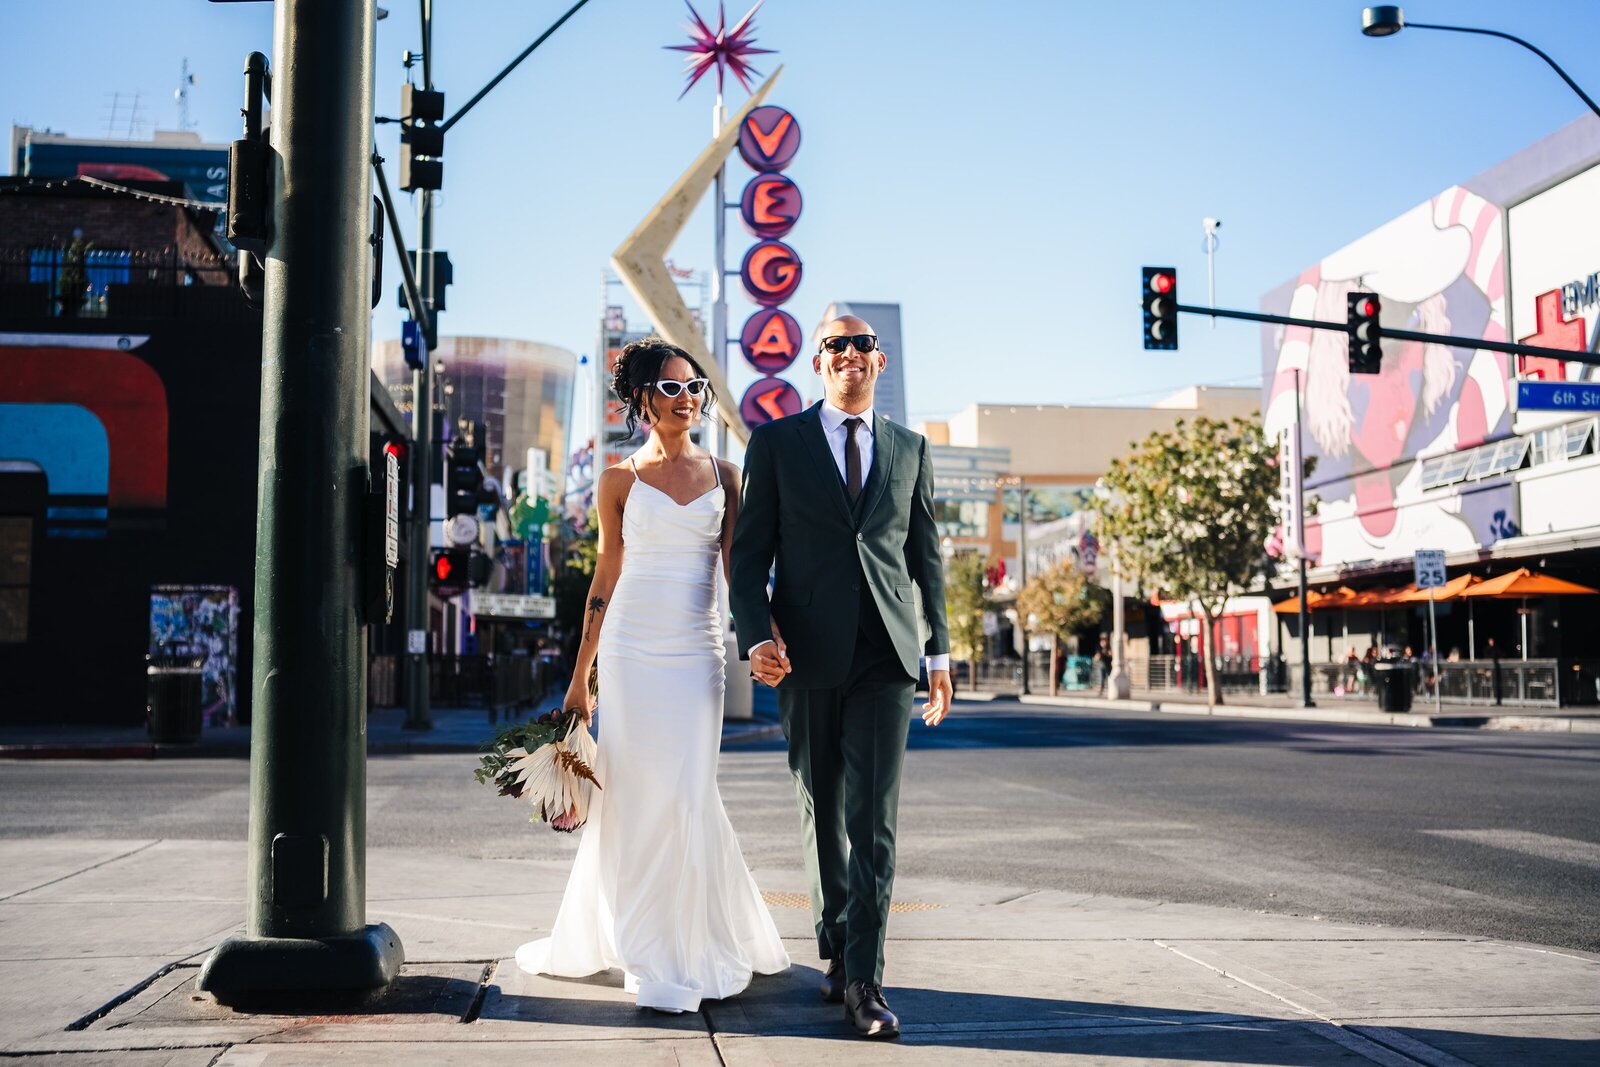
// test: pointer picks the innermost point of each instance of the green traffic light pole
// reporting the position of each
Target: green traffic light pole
(306, 930)
(417, 670)
(1509, 347)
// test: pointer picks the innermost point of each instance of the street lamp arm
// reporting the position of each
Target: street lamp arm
(498, 78)
(1510, 37)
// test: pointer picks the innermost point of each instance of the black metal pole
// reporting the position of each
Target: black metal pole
(1572, 355)
(1299, 475)
(1518, 40)
(1022, 578)
(498, 78)
(306, 928)
(418, 674)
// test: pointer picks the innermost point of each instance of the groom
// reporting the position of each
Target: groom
(842, 500)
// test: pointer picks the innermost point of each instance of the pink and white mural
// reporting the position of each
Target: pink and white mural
(1506, 255)
(1439, 268)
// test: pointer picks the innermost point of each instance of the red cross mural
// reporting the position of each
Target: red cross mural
(1551, 330)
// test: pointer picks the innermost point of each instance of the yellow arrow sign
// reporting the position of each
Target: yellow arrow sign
(640, 261)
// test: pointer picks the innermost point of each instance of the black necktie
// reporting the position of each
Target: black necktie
(852, 459)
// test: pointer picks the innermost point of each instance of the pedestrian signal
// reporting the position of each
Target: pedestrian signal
(1160, 308)
(451, 568)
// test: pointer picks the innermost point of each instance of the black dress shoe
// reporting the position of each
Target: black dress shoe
(833, 982)
(868, 1012)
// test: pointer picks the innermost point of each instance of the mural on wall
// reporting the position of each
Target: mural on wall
(1439, 268)
(201, 621)
(93, 417)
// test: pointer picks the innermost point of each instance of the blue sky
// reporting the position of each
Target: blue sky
(1000, 169)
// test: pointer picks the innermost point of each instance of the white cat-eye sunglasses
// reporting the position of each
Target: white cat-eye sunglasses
(672, 388)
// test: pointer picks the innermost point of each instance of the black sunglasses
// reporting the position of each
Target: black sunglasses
(864, 343)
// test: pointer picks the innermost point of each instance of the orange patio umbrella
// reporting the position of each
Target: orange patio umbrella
(1455, 587)
(1521, 584)
(1292, 605)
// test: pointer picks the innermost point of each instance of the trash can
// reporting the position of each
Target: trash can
(172, 701)
(1393, 684)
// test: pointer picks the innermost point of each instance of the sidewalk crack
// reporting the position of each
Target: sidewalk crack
(84, 870)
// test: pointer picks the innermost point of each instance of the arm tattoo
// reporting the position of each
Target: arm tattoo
(597, 604)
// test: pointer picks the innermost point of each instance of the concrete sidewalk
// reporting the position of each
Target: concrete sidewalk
(100, 942)
(1281, 708)
(454, 730)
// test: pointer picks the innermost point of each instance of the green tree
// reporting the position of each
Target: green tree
(1190, 510)
(1064, 601)
(74, 277)
(964, 605)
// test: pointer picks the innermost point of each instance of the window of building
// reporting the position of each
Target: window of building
(1580, 440)
(103, 268)
(961, 518)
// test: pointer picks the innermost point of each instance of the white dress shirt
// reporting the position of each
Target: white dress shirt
(834, 429)
(837, 433)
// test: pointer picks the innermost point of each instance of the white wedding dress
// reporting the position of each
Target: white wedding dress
(659, 888)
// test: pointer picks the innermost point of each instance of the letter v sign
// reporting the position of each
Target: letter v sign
(640, 261)
(770, 140)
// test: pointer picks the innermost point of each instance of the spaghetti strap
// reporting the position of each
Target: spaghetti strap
(635, 467)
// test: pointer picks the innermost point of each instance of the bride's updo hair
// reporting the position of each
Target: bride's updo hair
(639, 368)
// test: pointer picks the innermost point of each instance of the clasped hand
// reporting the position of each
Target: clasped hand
(770, 663)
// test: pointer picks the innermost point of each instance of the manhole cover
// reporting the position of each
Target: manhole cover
(800, 900)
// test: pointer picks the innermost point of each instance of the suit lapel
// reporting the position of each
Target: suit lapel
(817, 444)
(882, 464)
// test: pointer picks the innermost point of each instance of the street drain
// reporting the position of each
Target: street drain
(800, 900)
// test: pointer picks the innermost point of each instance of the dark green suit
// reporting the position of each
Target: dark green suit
(845, 597)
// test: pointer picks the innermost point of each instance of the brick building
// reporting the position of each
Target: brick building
(130, 382)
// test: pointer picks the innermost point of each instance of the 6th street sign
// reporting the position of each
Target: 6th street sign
(1558, 396)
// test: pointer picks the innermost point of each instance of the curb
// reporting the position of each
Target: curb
(1530, 723)
(173, 750)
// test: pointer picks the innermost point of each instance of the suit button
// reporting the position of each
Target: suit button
(861, 537)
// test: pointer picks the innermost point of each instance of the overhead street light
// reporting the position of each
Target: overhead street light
(1386, 20)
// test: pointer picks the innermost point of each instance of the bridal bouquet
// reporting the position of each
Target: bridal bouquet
(548, 761)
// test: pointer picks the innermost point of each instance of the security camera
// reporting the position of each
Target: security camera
(1210, 224)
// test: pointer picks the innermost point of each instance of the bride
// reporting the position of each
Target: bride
(659, 887)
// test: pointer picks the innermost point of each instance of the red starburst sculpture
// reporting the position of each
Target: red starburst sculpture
(725, 49)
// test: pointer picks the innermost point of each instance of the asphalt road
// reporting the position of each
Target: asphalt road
(1493, 834)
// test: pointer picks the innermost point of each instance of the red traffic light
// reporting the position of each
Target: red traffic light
(1161, 283)
(1366, 307)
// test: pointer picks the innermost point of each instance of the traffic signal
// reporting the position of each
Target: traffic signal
(1161, 308)
(1366, 336)
(421, 146)
(463, 479)
(451, 568)
(431, 283)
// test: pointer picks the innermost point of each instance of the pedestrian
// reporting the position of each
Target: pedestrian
(1103, 661)
(851, 530)
(659, 888)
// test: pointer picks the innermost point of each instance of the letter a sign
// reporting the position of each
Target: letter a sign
(770, 340)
